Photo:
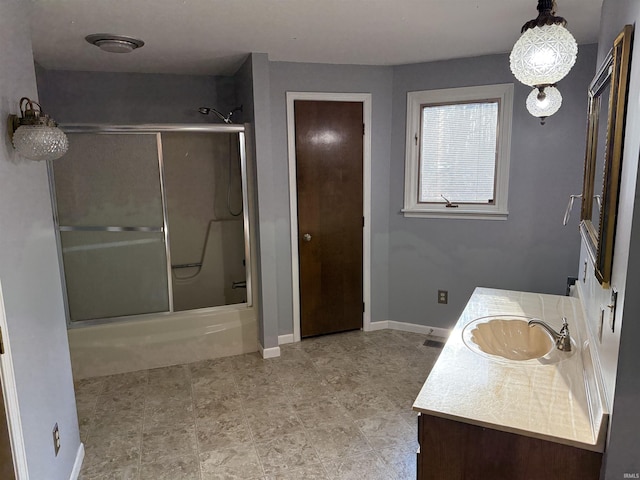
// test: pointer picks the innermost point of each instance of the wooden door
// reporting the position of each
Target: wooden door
(6, 458)
(329, 158)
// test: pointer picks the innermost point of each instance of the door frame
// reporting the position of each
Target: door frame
(365, 99)
(10, 394)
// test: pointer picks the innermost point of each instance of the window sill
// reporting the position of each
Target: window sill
(459, 213)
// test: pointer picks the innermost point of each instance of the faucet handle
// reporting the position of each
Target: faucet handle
(564, 342)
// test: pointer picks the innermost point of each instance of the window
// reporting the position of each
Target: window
(457, 153)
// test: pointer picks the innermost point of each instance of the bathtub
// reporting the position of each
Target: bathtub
(160, 340)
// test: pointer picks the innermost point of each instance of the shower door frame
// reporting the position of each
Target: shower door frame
(157, 130)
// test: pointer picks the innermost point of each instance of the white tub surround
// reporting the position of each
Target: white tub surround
(558, 402)
(159, 340)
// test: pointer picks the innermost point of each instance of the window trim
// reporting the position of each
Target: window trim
(415, 101)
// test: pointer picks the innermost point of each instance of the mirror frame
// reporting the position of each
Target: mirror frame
(614, 71)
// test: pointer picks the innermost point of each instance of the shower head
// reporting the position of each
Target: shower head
(227, 119)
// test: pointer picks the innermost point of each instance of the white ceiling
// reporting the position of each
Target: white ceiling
(214, 36)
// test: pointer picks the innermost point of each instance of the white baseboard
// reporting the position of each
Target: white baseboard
(272, 352)
(424, 329)
(382, 325)
(409, 327)
(371, 327)
(284, 339)
(77, 465)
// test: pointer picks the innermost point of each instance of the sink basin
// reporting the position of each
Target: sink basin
(509, 337)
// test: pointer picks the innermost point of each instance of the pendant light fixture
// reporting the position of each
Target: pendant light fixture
(543, 55)
(544, 103)
(35, 135)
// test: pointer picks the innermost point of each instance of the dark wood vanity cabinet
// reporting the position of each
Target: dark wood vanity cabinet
(451, 450)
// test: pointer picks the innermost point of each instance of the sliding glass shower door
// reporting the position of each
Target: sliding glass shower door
(108, 192)
(152, 219)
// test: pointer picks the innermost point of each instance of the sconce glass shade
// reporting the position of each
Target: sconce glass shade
(543, 55)
(545, 104)
(40, 142)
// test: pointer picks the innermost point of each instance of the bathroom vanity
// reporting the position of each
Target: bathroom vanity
(484, 416)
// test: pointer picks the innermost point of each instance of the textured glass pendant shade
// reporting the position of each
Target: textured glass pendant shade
(543, 55)
(545, 104)
(40, 142)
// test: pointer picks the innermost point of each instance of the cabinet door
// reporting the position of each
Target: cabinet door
(459, 451)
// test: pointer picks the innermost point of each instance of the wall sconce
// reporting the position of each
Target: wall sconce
(34, 135)
(543, 55)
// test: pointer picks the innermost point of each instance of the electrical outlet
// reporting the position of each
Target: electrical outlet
(56, 439)
(443, 296)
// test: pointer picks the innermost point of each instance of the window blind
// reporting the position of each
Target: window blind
(458, 152)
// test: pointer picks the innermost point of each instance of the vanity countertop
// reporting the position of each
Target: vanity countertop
(559, 402)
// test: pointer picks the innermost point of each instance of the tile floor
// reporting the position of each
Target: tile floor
(333, 407)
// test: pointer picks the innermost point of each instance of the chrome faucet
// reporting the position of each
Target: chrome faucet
(562, 339)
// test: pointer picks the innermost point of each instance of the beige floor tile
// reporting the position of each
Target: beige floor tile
(308, 472)
(113, 473)
(89, 386)
(237, 463)
(388, 431)
(264, 396)
(343, 400)
(338, 440)
(116, 420)
(168, 415)
(359, 467)
(205, 389)
(317, 412)
(364, 403)
(222, 433)
(269, 425)
(184, 467)
(286, 452)
(115, 451)
(250, 361)
(219, 368)
(125, 382)
(305, 391)
(401, 462)
(174, 441)
(247, 380)
(170, 375)
(212, 409)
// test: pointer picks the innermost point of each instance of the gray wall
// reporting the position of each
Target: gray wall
(413, 258)
(303, 77)
(531, 250)
(623, 447)
(243, 80)
(266, 190)
(129, 98)
(30, 275)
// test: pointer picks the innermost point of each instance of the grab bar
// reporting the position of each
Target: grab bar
(242, 284)
(187, 265)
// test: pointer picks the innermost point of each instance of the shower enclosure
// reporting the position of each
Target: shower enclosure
(151, 220)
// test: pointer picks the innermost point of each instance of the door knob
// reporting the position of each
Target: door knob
(306, 237)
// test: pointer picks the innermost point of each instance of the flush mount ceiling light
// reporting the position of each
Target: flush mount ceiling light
(545, 52)
(114, 43)
(35, 135)
(544, 102)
